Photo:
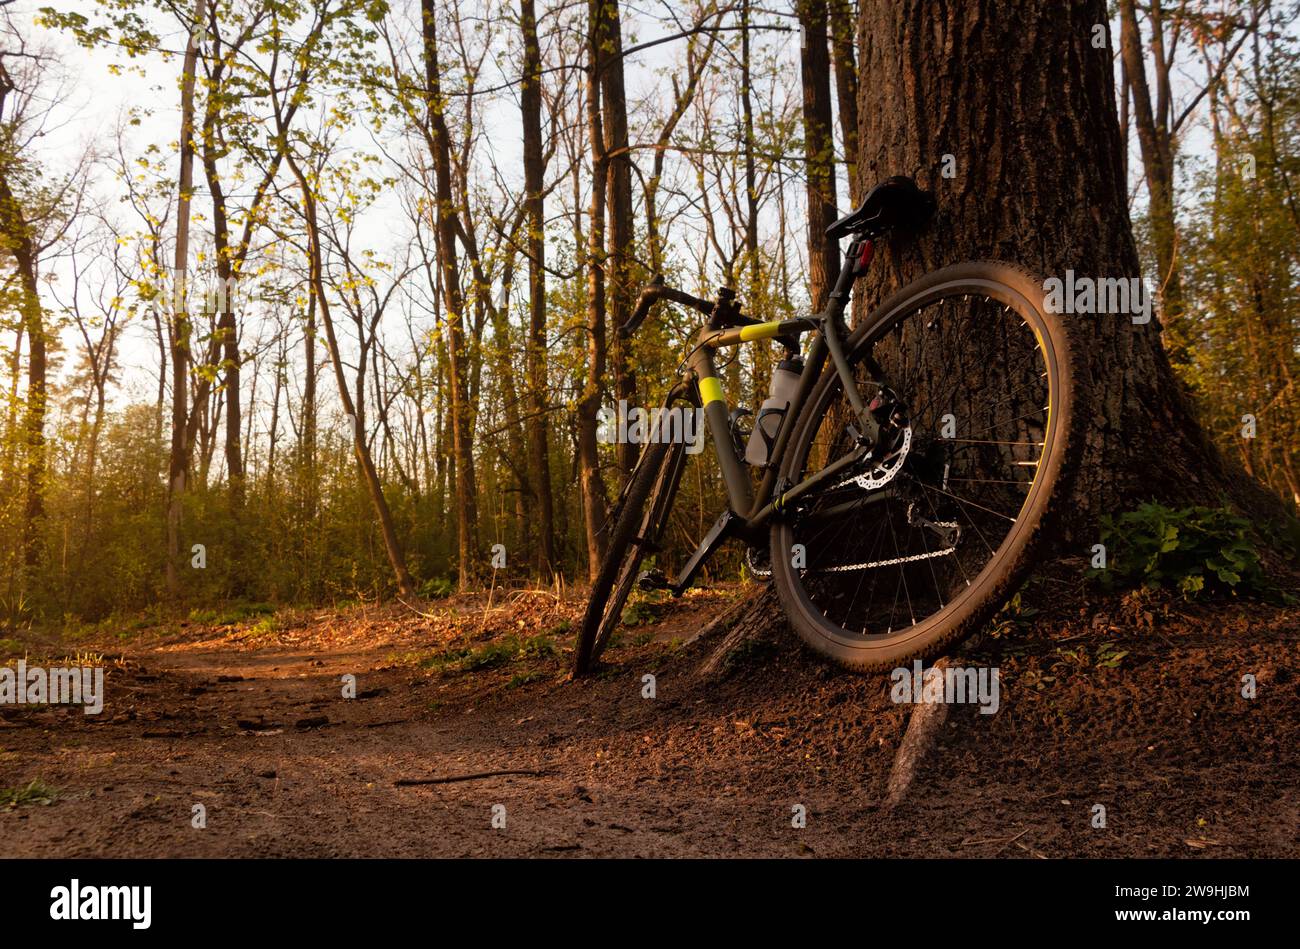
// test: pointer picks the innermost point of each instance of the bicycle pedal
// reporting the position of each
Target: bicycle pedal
(652, 580)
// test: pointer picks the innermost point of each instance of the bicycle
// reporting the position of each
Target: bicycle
(904, 490)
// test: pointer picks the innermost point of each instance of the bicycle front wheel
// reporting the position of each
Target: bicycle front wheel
(639, 523)
(913, 548)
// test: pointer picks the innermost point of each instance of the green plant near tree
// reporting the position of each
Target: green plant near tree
(1193, 550)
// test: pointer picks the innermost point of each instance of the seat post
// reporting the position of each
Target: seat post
(839, 296)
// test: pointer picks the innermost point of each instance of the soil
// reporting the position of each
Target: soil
(1132, 704)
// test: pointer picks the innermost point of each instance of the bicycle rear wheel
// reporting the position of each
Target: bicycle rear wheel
(906, 553)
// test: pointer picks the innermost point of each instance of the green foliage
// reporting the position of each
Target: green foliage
(435, 588)
(642, 608)
(1081, 659)
(267, 625)
(1194, 550)
(1011, 618)
(35, 791)
(498, 652)
(523, 678)
(1243, 311)
(232, 614)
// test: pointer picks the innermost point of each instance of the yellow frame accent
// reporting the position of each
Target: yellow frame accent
(711, 390)
(760, 331)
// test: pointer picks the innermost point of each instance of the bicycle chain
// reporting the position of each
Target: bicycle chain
(893, 561)
(872, 564)
(867, 565)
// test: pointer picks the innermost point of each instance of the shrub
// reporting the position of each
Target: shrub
(436, 588)
(1192, 550)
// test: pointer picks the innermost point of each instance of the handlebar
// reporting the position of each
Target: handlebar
(657, 291)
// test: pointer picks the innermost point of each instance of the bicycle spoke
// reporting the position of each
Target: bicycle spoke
(943, 359)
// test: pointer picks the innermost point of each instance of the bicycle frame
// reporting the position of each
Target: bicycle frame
(748, 511)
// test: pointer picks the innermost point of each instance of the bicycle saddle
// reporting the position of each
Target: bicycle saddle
(895, 202)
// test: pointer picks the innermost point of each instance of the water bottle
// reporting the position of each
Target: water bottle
(772, 413)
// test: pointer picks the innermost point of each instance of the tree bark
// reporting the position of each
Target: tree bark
(178, 462)
(537, 427)
(844, 56)
(16, 239)
(461, 410)
(592, 482)
(1017, 93)
(621, 252)
(819, 150)
(1156, 145)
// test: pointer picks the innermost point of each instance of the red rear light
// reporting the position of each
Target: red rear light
(864, 258)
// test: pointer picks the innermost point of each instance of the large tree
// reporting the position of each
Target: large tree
(1006, 110)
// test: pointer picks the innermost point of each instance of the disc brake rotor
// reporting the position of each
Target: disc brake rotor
(886, 469)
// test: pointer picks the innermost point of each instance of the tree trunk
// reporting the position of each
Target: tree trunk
(537, 426)
(178, 462)
(225, 260)
(844, 56)
(621, 256)
(9, 469)
(461, 410)
(16, 238)
(819, 150)
(369, 475)
(309, 391)
(593, 484)
(1017, 93)
(1156, 145)
(751, 173)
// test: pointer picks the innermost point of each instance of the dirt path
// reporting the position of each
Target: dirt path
(249, 721)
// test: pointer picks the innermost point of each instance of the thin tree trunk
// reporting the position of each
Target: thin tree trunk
(620, 258)
(17, 240)
(461, 410)
(843, 30)
(819, 150)
(10, 466)
(179, 459)
(1156, 146)
(370, 476)
(226, 325)
(593, 484)
(537, 425)
(759, 302)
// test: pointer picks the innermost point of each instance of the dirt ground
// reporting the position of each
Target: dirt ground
(1135, 705)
